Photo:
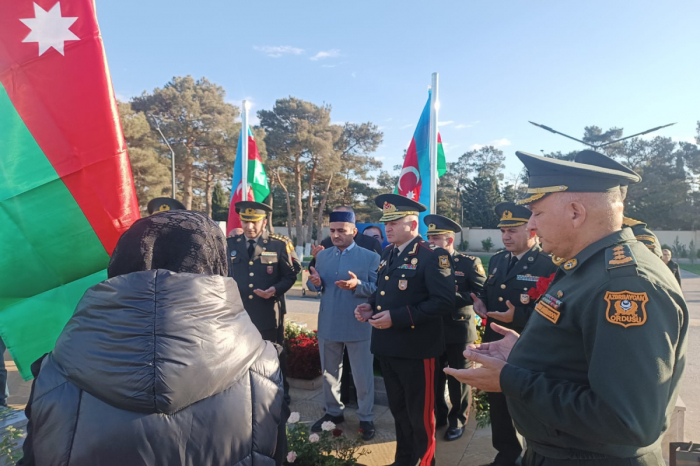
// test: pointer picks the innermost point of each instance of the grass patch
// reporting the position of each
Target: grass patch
(693, 268)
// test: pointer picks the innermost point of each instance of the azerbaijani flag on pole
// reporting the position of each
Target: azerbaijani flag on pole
(67, 193)
(258, 188)
(416, 165)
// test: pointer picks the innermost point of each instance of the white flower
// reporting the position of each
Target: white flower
(328, 425)
(313, 438)
(293, 418)
(291, 456)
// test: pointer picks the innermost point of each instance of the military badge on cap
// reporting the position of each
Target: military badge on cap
(511, 214)
(250, 211)
(395, 207)
(164, 204)
(626, 308)
(438, 225)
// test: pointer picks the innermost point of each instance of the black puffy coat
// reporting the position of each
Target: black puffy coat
(158, 368)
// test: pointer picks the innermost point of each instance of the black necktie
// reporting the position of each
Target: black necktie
(251, 248)
(394, 254)
(511, 264)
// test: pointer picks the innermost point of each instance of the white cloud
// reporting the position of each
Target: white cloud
(462, 126)
(353, 74)
(407, 126)
(445, 123)
(327, 66)
(496, 143)
(276, 51)
(326, 54)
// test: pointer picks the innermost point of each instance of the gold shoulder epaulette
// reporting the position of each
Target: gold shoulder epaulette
(284, 239)
(630, 222)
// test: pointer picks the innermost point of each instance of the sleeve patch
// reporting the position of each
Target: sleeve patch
(444, 262)
(626, 308)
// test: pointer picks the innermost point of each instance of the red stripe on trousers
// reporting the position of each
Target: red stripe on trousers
(428, 411)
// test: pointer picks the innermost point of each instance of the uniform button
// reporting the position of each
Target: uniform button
(525, 289)
(250, 286)
(382, 293)
(412, 326)
(503, 287)
(379, 308)
(250, 263)
(250, 296)
(251, 274)
(403, 276)
(386, 277)
(500, 299)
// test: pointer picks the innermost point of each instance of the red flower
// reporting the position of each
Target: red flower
(337, 432)
(541, 287)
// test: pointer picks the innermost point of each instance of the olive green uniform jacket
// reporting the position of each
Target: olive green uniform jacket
(596, 371)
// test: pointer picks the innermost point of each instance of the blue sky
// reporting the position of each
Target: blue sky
(631, 64)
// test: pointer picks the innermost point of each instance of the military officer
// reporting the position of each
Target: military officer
(261, 263)
(640, 230)
(164, 204)
(507, 299)
(579, 382)
(415, 289)
(458, 325)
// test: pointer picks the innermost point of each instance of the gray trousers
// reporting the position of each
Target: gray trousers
(361, 360)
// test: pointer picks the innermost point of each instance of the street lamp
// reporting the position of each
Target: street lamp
(172, 155)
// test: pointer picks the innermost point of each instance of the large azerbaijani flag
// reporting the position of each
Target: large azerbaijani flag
(416, 165)
(67, 192)
(258, 188)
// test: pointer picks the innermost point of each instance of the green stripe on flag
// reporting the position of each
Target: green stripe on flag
(49, 253)
(441, 164)
(258, 180)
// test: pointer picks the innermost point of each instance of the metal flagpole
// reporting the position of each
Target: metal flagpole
(244, 152)
(434, 107)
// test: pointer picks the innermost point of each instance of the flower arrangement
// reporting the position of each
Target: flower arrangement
(330, 447)
(303, 358)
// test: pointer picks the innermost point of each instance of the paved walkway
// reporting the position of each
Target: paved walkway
(690, 389)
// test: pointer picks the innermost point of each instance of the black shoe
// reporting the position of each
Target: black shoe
(367, 429)
(453, 433)
(318, 425)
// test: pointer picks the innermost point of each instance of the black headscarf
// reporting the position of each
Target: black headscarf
(178, 240)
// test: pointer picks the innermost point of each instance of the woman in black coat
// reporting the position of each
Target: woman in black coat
(160, 364)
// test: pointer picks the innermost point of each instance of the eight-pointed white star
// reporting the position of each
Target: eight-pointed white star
(49, 28)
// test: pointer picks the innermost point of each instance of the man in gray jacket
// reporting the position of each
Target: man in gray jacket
(346, 274)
